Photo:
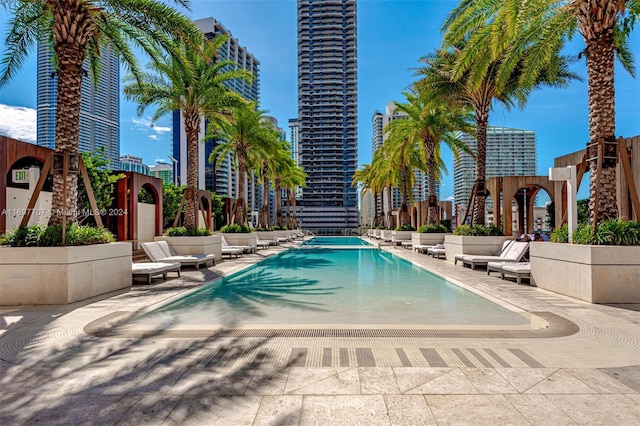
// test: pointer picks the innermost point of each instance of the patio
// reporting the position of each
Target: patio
(54, 372)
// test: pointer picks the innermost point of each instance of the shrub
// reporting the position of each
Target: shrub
(405, 228)
(51, 236)
(278, 228)
(432, 229)
(234, 228)
(478, 230)
(618, 232)
(181, 231)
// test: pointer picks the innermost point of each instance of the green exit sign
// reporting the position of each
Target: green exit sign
(20, 176)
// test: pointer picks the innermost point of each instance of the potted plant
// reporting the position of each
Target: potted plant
(239, 235)
(477, 239)
(598, 267)
(428, 235)
(402, 233)
(89, 264)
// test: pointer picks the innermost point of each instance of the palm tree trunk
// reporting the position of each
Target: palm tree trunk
(278, 203)
(602, 125)
(390, 211)
(404, 214)
(432, 203)
(192, 127)
(288, 213)
(67, 134)
(293, 207)
(264, 215)
(376, 219)
(240, 206)
(481, 165)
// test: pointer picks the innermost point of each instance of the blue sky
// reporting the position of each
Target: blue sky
(392, 35)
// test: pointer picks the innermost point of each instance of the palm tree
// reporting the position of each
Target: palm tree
(244, 134)
(296, 178)
(193, 84)
(429, 123)
(528, 34)
(364, 177)
(268, 157)
(283, 169)
(385, 179)
(77, 31)
(479, 93)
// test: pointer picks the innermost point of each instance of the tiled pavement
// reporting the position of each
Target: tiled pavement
(53, 372)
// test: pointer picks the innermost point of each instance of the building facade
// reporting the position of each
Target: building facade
(132, 163)
(99, 110)
(221, 180)
(327, 113)
(510, 152)
(162, 171)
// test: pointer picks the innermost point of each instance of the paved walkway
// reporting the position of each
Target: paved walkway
(73, 364)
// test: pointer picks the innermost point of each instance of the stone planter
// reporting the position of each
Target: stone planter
(241, 238)
(596, 274)
(427, 238)
(386, 234)
(467, 244)
(397, 237)
(281, 234)
(266, 235)
(210, 244)
(61, 275)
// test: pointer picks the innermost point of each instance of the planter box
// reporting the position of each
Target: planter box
(282, 234)
(241, 238)
(398, 236)
(385, 234)
(467, 244)
(61, 275)
(427, 238)
(266, 235)
(210, 244)
(596, 274)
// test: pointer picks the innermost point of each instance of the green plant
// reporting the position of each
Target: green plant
(447, 224)
(431, 229)
(478, 230)
(181, 231)
(51, 236)
(405, 228)
(618, 232)
(234, 228)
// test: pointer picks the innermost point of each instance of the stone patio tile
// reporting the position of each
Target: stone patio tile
(488, 381)
(408, 410)
(561, 382)
(409, 378)
(279, 410)
(453, 382)
(538, 410)
(150, 410)
(85, 410)
(474, 410)
(323, 381)
(16, 408)
(329, 410)
(522, 379)
(216, 381)
(268, 381)
(599, 381)
(378, 381)
(599, 409)
(634, 396)
(214, 410)
(158, 380)
(629, 376)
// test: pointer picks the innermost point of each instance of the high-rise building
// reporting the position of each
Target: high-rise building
(163, 171)
(510, 152)
(327, 113)
(221, 180)
(294, 140)
(99, 110)
(132, 163)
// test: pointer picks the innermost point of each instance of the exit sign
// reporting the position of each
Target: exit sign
(20, 176)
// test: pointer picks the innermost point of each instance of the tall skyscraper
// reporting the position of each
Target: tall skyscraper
(99, 110)
(222, 180)
(132, 163)
(510, 152)
(327, 113)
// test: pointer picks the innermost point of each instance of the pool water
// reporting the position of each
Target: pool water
(335, 286)
(336, 241)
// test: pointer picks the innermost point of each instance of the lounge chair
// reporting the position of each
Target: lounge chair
(245, 249)
(153, 269)
(406, 244)
(422, 248)
(518, 269)
(160, 251)
(514, 253)
(231, 251)
(266, 243)
(503, 247)
(437, 251)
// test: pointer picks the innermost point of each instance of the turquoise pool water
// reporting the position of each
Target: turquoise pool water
(336, 241)
(335, 286)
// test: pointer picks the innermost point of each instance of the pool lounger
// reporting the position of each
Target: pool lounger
(266, 243)
(519, 270)
(406, 244)
(421, 248)
(160, 251)
(153, 269)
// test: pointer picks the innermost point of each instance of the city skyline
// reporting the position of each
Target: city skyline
(387, 52)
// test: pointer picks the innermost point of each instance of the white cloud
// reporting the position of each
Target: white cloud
(143, 124)
(154, 137)
(450, 198)
(19, 123)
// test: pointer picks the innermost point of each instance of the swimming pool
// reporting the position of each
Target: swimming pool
(336, 241)
(323, 286)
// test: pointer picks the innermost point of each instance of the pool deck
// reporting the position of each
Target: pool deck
(54, 372)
